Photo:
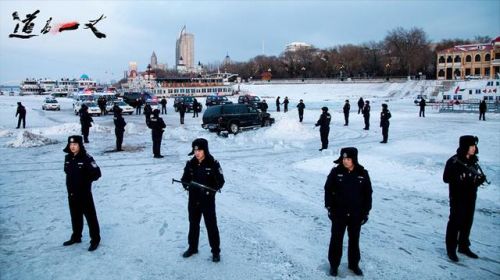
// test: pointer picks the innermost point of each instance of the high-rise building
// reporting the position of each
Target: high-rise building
(184, 51)
(132, 66)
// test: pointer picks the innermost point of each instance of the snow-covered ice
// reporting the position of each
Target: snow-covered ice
(270, 213)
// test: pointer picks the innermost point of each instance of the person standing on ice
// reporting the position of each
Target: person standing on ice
(300, 107)
(264, 106)
(422, 105)
(361, 103)
(482, 110)
(464, 176)
(119, 128)
(86, 122)
(157, 126)
(278, 104)
(348, 199)
(366, 114)
(385, 115)
(81, 170)
(182, 111)
(163, 105)
(324, 127)
(346, 109)
(285, 104)
(21, 112)
(205, 170)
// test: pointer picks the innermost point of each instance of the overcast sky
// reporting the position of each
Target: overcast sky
(243, 29)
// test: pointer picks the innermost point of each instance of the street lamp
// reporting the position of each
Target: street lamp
(341, 72)
(387, 70)
(303, 73)
(270, 75)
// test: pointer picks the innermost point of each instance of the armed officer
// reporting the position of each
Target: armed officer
(205, 170)
(119, 128)
(157, 126)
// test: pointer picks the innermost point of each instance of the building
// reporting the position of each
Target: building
(475, 61)
(295, 46)
(154, 61)
(184, 51)
(132, 66)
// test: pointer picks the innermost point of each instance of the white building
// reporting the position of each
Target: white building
(295, 46)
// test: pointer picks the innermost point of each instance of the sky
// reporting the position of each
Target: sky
(241, 29)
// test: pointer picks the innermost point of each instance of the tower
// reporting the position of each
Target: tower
(184, 48)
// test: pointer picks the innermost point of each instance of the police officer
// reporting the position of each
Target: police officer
(422, 104)
(482, 110)
(182, 111)
(148, 111)
(264, 106)
(348, 199)
(346, 109)
(385, 115)
(101, 102)
(138, 106)
(81, 170)
(361, 103)
(463, 184)
(195, 108)
(205, 170)
(21, 112)
(324, 127)
(366, 114)
(119, 128)
(300, 107)
(163, 105)
(278, 104)
(157, 126)
(86, 122)
(285, 104)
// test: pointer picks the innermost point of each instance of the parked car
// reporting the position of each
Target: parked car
(234, 117)
(93, 108)
(217, 100)
(51, 104)
(188, 102)
(252, 100)
(126, 109)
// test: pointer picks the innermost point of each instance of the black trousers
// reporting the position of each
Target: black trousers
(286, 108)
(277, 108)
(23, 118)
(207, 209)
(80, 206)
(346, 118)
(85, 133)
(119, 139)
(324, 137)
(359, 109)
(138, 110)
(385, 132)
(367, 121)
(195, 112)
(182, 118)
(421, 113)
(481, 114)
(337, 238)
(301, 116)
(164, 109)
(460, 223)
(156, 135)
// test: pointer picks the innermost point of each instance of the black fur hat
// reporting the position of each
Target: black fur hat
(74, 139)
(349, 152)
(199, 144)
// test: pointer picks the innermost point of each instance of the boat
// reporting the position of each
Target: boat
(204, 86)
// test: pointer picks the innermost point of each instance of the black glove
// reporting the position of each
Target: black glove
(480, 180)
(186, 186)
(364, 220)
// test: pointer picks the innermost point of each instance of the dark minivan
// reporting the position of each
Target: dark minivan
(233, 117)
(217, 100)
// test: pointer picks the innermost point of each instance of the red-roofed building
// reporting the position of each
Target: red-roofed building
(480, 61)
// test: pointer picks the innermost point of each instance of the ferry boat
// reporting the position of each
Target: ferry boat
(472, 92)
(171, 87)
(29, 87)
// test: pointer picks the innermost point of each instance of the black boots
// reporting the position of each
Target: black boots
(334, 271)
(453, 257)
(216, 258)
(356, 270)
(93, 246)
(468, 253)
(72, 241)
(189, 252)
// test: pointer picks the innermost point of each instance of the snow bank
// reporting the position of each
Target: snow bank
(28, 139)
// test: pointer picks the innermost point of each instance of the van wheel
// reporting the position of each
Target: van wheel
(234, 128)
(267, 123)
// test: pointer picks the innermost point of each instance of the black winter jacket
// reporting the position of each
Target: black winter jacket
(208, 173)
(81, 170)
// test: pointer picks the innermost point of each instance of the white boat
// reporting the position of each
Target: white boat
(192, 87)
(29, 87)
(473, 91)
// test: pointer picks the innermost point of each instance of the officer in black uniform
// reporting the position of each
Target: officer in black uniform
(86, 122)
(348, 199)
(203, 169)
(385, 115)
(182, 111)
(324, 127)
(422, 105)
(285, 104)
(21, 112)
(163, 105)
(195, 108)
(148, 111)
(81, 170)
(119, 128)
(463, 184)
(366, 114)
(300, 107)
(264, 106)
(278, 104)
(157, 126)
(361, 103)
(346, 109)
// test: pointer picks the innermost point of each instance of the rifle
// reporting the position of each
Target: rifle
(477, 172)
(194, 184)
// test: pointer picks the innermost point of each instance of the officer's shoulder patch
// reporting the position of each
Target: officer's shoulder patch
(94, 165)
